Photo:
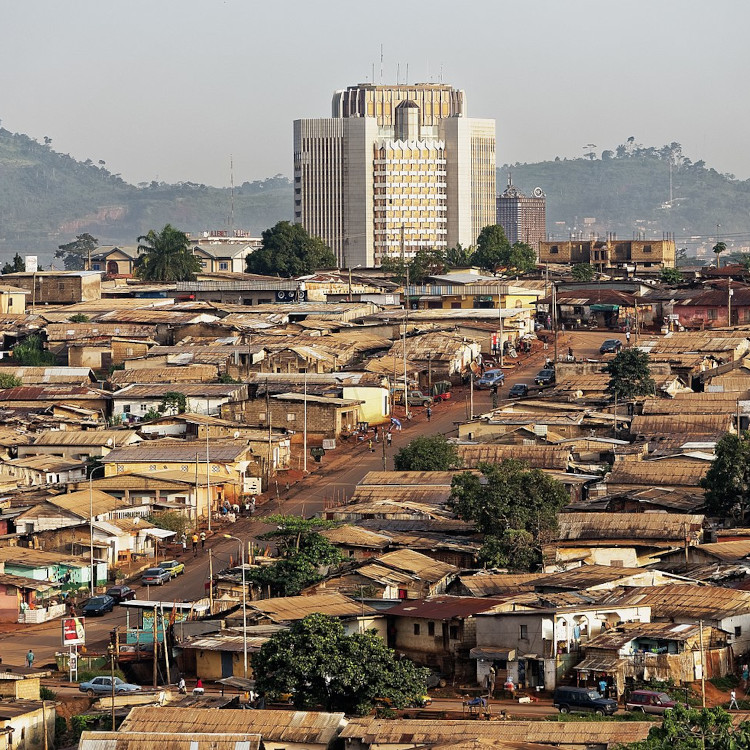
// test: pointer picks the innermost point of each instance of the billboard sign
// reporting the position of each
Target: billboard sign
(32, 264)
(73, 631)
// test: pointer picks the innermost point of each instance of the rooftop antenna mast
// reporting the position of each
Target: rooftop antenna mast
(381, 64)
(231, 182)
(407, 74)
(398, 73)
(441, 73)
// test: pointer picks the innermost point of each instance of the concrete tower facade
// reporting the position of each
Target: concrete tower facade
(523, 217)
(395, 170)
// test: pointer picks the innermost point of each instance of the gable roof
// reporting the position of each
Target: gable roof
(661, 528)
(443, 607)
(289, 608)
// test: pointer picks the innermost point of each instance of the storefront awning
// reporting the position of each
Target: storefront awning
(604, 308)
(493, 652)
(603, 663)
(160, 533)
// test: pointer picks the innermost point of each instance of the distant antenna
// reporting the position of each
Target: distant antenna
(398, 73)
(231, 182)
(381, 64)
(441, 72)
(407, 74)
(373, 74)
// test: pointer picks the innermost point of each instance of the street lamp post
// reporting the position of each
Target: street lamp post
(91, 524)
(244, 603)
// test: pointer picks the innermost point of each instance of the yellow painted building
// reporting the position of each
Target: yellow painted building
(12, 300)
(479, 293)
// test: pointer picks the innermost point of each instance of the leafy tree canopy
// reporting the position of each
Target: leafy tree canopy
(76, 253)
(629, 374)
(288, 250)
(695, 729)
(17, 266)
(321, 666)
(583, 272)
(304, 553)
(521, 258)
(727, 482)
(514, 507)
(173, 402)
(426, 263)
(8, 380)
(79, 318)
(427, 453)
(670, 276)
(171, 520)
(166, 256)
(493, 248)
(31, 353)
(459, 256)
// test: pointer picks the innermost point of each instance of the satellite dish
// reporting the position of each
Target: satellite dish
(538, 192)
(236, 434)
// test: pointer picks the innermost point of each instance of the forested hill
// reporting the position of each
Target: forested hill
(46, 198)
(627, 190)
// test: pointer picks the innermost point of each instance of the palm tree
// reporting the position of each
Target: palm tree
(719, 248)
(166, 256)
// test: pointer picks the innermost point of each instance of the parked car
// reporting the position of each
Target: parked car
(173, 567)
(121, 593)
(610, 346)
(155, 577)
(491, 378)
(437, 679)
(416, 398)
(567, 699)
(518, 390)
(98, 605)
(545, 377)
(649, 702)
(103, 686)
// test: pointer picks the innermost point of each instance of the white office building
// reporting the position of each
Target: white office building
(395, 170)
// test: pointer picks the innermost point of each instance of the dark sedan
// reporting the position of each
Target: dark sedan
(519, 390)
(545, 377)
(610, 346)
(121, 593)
(98, 605)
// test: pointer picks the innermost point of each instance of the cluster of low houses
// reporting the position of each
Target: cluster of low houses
(637, 584)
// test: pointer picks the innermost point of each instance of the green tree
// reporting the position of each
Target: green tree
(583, 272)
(31, 353)
(321, 666)
(727, 482)
(719, 248)
(493, 248)
(76, 254)
(173, 402)
(427, 453)
(514, 507)
(8, 380)
(629, 375)
(288, 250)
(166, 256)
(17, 266)
(521, 258)
(171, 520)
(426, 263)
(394, 268)
(695, 729)
(670, 276)
(304, 554)
(79, 318)
(459, 256)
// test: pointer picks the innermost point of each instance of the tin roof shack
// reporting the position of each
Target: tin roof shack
(28, 721)
(58, 287)
(402, 574)
(603, 578)
(53, 375)
(735, 553)
(168, 741)
(327, 417)
(98, 345)
(355, 616)
(279, 730)
(40, 397)
(489, 583)
(445, 354)
(19, 594)
(233, 468)
(627, 476)
(725, 609)
(40, 471)
(169, 374)
(709, 307)
(20, 683)
(357, 543)
(538, 425)
(369, 733)
(534, 456)
(77, 444)
(133, 401)
(438, 632)
(635, 653)
(59, 511)
(538, 646)
(724, 346)
(619, 539)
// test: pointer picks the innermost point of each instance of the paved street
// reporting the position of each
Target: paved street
(336, 478)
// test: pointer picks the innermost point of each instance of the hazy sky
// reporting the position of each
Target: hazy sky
(168, 89)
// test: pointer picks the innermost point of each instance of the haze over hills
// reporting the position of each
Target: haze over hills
(46, 198)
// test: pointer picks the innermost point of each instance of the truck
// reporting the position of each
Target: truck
(415, 398)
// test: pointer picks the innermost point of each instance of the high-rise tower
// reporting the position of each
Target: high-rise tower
(522, 217)
(396, 169)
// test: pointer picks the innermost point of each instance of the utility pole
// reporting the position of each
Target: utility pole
(156, 648)
(730, 292)
(385, 460)
(208, 483)
(270, 453)
(703, 667)
(554, 315)
(502, 348)
(210, 580)
(406, 320)
(471, 393)
(304, 429)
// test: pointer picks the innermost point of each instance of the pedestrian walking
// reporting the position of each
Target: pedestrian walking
(733, 700)
(389, 439)
(745, 676)
(30, 659)
(203, 539)
(195, 544)
(429, 413)
(627, 336)
(198, 689)
(370, 446)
